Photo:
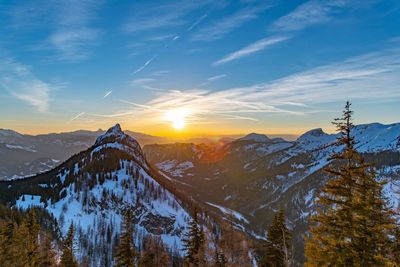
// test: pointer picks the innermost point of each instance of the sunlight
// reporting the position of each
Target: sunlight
(177, 118)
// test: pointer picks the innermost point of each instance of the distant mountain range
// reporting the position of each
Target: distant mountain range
(23, 155)
(253, 176)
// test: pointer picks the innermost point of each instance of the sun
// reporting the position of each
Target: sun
(177, 118)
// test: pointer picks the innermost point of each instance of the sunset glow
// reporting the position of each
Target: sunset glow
(177, 118)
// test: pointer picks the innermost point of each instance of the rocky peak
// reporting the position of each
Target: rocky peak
(116, 138)
(112, 135)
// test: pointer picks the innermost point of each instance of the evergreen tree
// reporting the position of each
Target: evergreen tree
(125, 253)
(32, 239)
(277, 248)
(67, 257)
(193, 243)
(352, 224)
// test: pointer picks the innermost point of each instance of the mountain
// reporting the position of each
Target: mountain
(255, 138)
(256, 175)
(93, 187)
(23, 155)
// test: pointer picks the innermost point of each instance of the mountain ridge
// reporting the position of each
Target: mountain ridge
(93, 187)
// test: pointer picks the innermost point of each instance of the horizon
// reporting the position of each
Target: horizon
(209, 137)
(190, 69)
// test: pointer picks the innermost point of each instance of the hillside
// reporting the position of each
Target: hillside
(257, 175)
(91, 190)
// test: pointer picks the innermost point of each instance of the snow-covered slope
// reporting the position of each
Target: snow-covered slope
(258, 175)
(93, 188)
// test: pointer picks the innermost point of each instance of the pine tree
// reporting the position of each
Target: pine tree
(277, 248)
(32, 245)
(193, 243)
(67, 257)
(125, 253)
(352, 224)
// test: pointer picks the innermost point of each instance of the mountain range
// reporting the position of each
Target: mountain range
(244, 181)
(254, 176)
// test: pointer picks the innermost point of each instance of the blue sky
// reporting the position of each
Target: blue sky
(222, 67)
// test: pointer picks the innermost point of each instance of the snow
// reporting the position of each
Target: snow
(175, 168)
(27, 201)
(376, 137)
(227, 198)
(314, 139)
(230, 212)
(28, 149)
(114, 131)
(309, 197)
(73, 210)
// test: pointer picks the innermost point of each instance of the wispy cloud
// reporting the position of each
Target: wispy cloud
(358, 78)
(18, 80)
(160, 72)
(212, 79)
(221, 27)
(197, 22)
(77, 116)
(71, 35)
(144, 65)
(162, 37)
(147, 17)
(107, 94)
(142, 81)
(71, 45)
(252, 48)
(308, 14)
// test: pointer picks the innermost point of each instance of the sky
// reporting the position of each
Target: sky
(197, 68)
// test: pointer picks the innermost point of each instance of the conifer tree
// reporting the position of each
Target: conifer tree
(277, 248)
(67, 257)
(193, 243)
(32, 239)
(352, 224)
(125, 253)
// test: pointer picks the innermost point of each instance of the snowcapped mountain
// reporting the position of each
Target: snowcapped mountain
(92, 188)
(23, 155)
(257, 175)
